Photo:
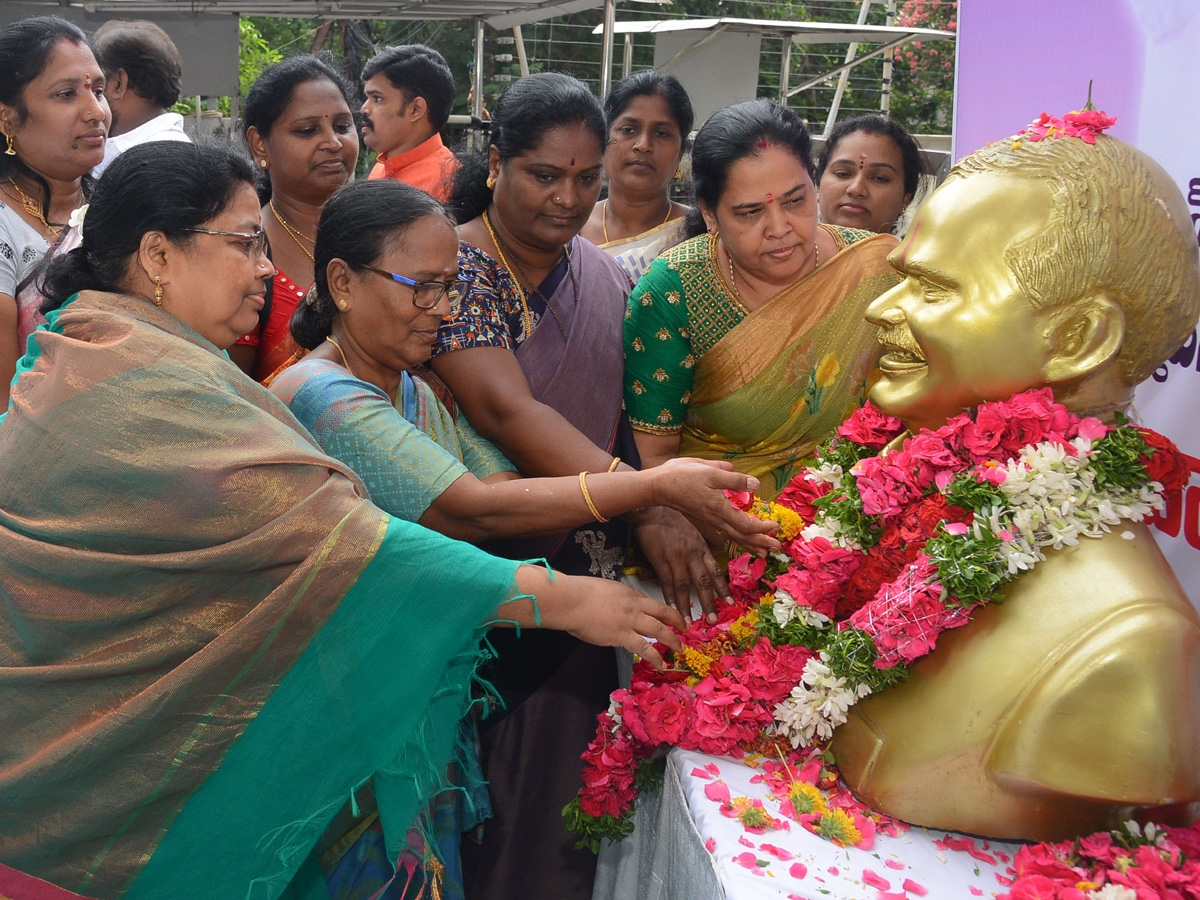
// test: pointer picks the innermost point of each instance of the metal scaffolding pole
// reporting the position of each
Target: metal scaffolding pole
(477, 105)
(885, 100)
(606, 58)
(522, 59)
(851, 52)
(785, 69)
(627, 63)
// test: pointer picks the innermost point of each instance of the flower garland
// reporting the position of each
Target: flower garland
(899, 547)
(1129, 863)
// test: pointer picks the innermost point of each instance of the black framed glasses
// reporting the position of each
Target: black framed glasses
(428, 294)
(258, 248)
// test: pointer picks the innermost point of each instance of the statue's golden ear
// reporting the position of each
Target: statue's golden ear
(1083, 337)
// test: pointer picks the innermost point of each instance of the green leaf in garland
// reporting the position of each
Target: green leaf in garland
(968, 492)
(1116, 459)
(970, 570)
(852, 656)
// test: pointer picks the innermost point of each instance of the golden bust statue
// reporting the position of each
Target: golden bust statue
(1075, 703)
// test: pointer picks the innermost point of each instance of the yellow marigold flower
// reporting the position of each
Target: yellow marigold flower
(743, 627)
(790, 522)
(827, 369)
(807, 798)
(837, 825)
(696, 661)
(750, 815)
(767, 600)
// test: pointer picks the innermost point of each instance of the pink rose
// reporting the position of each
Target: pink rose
(886, 484)
(745, 573)
(931, 455)
(656, 715)
(742, 500)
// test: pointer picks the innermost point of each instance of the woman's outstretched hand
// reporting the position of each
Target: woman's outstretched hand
(604, 613)
(695, 487)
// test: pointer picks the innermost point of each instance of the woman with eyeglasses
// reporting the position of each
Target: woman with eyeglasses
(387, 275)
(212, 640)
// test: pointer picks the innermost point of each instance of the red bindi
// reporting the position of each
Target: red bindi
(770, 198)
(762, 144)
(572, 160)
(87, 80)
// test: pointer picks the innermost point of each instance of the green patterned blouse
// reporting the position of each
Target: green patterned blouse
(677, 313)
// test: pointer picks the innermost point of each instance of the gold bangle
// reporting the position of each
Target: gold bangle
(616, 462)
(587, 498)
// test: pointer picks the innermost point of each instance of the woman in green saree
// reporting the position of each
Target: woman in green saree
(747, 342)
(209, 638)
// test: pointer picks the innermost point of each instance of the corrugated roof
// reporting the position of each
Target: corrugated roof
(497, 13)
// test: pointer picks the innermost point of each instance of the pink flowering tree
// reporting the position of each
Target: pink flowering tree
(923, 76)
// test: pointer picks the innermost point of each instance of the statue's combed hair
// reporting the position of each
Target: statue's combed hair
(1123, 228)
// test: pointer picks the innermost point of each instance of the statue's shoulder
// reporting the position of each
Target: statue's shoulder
(1121, 683)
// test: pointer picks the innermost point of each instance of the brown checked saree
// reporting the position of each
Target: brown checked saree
(208, 638)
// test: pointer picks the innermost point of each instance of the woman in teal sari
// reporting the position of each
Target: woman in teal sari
(387, 270)
(210, 639)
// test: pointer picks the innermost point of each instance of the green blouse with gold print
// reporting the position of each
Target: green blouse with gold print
(677, 312)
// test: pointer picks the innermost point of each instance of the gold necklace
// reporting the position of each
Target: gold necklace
(499, 244)
(733, 276)
(604, 217)
(34, 208)
(294, 233)
(342, 354)
(537, 291)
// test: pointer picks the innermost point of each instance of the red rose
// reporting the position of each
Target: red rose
(870, 427)
(800, 494)
(1165, 464)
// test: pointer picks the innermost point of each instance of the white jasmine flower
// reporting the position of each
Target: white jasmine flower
(1112, 892)
(76, 219)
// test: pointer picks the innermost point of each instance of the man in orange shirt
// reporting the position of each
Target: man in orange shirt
(410, 92)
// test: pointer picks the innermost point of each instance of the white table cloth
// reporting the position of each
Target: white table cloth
(683, 848)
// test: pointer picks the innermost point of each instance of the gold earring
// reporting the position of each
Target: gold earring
(263, 163)
(10, 151)
(342, 305)
(491, 179)
(678, 172)
(158, 291)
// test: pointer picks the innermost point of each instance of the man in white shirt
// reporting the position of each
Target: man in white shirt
(144, 74)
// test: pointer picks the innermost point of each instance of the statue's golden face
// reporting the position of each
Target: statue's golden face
(958, 330)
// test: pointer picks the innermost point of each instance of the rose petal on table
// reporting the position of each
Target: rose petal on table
(915, 887)
(1002, 880)
(798, 870)
(712, 770)
(893, 864)
(745, 842)
(891, 895)
(717, 791)
(975, 892)
(711, 845)
(875, 881)
(700, 773)
(832, 870)
(778, 852)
